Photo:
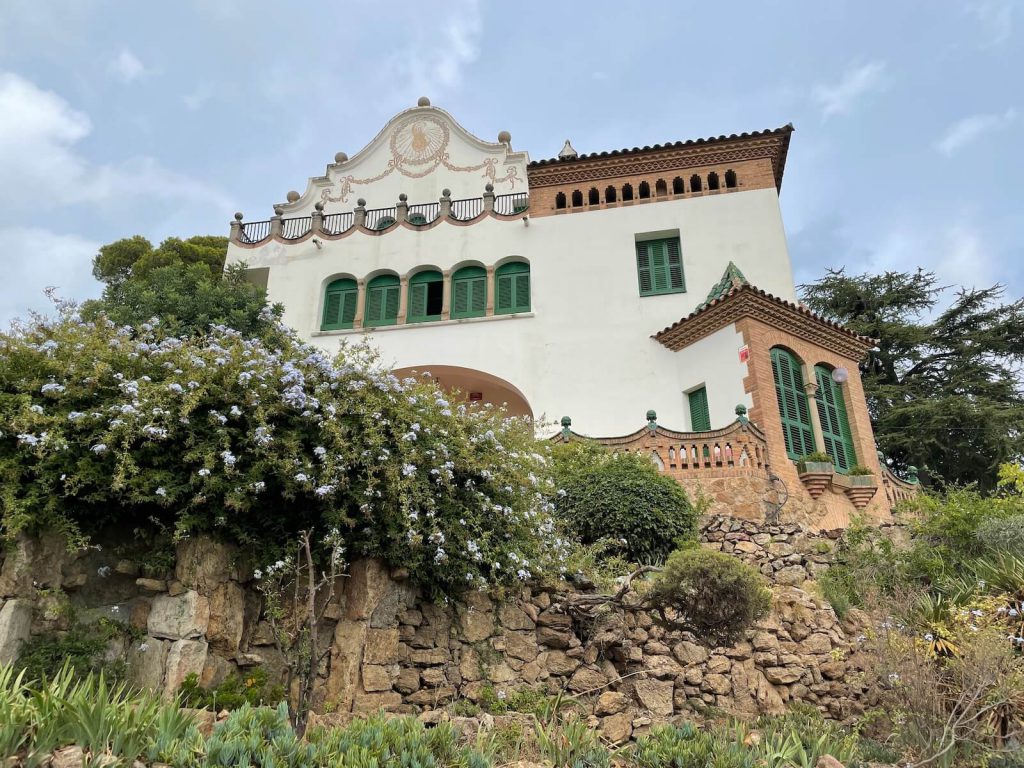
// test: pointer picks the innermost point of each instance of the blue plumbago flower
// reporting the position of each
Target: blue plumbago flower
(99, 448)
(301, 477)
(229, 458)
(204, 472)
(53, 387)
(408, 469)
(161, 491)
(36, 409)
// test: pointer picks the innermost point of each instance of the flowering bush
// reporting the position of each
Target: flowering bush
(112, 425)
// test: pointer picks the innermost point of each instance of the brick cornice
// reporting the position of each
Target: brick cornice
(771, 145)
(747, 301)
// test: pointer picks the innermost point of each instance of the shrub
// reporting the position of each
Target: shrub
(1004, 534)
(669, 746)
(571, 744)
(859, 470)
(85, 648)
(625, 499)
(712, 593)
(108, 425)
(817, 456)
(867, 568)
(253, 688)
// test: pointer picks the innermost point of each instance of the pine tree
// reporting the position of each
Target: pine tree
(943, 385)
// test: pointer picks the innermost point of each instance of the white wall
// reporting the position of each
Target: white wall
(713, 362)
(586, 350)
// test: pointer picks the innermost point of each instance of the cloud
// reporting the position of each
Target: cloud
(435, 62)
(839, 98)
(995, 18)
(39, 161)
(964, 131)
(127, 67)
(200, 95)
(34, 259)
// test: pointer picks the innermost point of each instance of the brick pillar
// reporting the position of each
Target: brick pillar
(446, 300)
(357, 322)
(811, 388)
(490, 291)
(403, 299)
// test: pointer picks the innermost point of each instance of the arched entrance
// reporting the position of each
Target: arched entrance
(472, 386)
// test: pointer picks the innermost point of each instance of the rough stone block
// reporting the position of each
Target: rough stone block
(184, 658)
(227, 617)
(655, 696)
(183, 616)
(382, 646)
(15, 627)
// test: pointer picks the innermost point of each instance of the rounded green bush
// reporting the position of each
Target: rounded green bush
(1002, 534)
(711, 593)
(625, 499)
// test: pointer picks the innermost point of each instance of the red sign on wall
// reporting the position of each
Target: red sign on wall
(744, 353)
(476, 397)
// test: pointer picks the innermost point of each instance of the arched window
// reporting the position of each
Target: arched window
(730, 179)
(577, 199)
(645, 190)
(610, 195)
(418, 219)
(594, 197)
(661, 188)
(677, 186)
(792, 399)
(469, 292)
(340, 300)
(382, 299)
(695, 183)
(384, 222)
(712, 180)
(560, 200)
(426, 296)
(835, 427)
(512, 288)
(627, 192)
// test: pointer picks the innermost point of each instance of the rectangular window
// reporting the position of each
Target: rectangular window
(469, 297)
(700, 416)
(659, 265)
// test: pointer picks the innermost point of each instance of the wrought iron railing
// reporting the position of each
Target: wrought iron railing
(423, 213)
(293, 229)
(468, 208)
(508, 205)
(336, 223)
(380, 218)
(254, 231)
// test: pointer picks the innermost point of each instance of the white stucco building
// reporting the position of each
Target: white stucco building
(595, 286)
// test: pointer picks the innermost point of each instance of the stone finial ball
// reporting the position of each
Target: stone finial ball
(278, 210)
(360, 202)
(293, 196)
(238, 215)
(566, 421)
(446, 192)
(652, 415)
(402, 197)
(318, 205)
(504, 137)
(488, 187)
(340, 157)
(423, 102)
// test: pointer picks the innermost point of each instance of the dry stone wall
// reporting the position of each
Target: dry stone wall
(390, 649)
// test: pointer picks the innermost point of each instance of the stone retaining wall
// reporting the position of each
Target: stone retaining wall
(391, 649)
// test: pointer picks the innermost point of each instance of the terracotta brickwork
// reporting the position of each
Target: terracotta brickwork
(750, 174)
(832, 509)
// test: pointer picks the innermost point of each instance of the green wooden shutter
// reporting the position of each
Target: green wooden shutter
(700, 416)
(675, 265)
(835, 427)
(469, 292)
(643, 268)
(659, 266)
(382, 297)
(339, 305)
(417, 301)
(793, 408)
(512, 288)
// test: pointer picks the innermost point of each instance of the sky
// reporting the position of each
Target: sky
(163, 119)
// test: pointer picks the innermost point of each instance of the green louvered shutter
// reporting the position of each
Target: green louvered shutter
(512, 288)
(700, 416)
(469, 292)
(382, 297)
(417, 301)
(793, 408)
(643, 268)
(338, 298)
(659, 265)
(835, 427)
(675, 265)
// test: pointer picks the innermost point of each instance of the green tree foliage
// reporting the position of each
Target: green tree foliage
(712, 593)
(183, 283)
(107, 425)
(622, 500)
(943, 385)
